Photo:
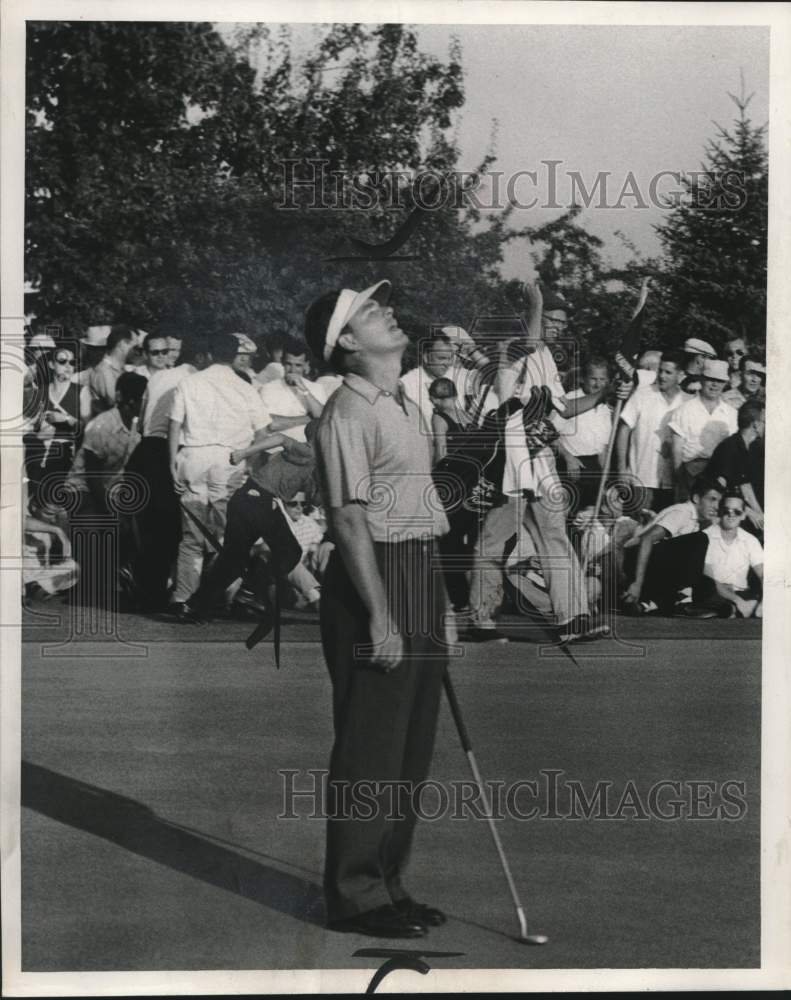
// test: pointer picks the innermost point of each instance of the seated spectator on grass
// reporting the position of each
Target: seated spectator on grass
(736, 462)
(667, 557)
(306, 530)
(47, 564)
(601, 548)
(110, 438)
(733, 568)
(699, 425)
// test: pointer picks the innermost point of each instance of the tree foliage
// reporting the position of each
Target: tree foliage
(155, 177)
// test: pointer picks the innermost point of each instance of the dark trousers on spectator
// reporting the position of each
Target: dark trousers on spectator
(456, 551)
(252, 514)
(384, 723)
(158, 522)
(674, 565)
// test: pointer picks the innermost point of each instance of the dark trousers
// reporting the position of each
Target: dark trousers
(384, 723)
(158, 521)
(252, 514)
(456, 551)
(674, 564)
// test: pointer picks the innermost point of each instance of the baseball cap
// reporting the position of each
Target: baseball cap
(96, 336)
(43, 341)
(246, 345)
(322, 331)
(715, 369)
(695, 346)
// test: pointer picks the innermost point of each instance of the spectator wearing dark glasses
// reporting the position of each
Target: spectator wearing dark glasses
(157, 355)
(51, 450)
(735, 349)
(733, 567)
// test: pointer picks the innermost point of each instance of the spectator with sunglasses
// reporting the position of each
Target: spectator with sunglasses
(733, 568)
(157, 355)
(51, 450)
(734, 350)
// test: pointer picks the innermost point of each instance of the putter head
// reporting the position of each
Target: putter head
(533, 939)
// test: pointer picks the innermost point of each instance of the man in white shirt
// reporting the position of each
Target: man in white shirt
(643, 444)
(159, 521)
(213, 412)
(699, 425)
(293, 400)
(583, 440)
(110, 438)
(731, 555)
(157, 355)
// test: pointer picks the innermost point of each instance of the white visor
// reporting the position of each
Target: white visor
(347, 305)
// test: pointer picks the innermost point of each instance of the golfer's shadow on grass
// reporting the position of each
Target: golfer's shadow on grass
(138, 829)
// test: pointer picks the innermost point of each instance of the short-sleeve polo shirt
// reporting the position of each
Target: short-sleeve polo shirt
(371, 449)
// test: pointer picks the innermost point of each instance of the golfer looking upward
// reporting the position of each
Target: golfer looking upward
(381, 611)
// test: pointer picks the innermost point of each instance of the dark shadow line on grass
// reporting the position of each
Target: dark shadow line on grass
(137, 828)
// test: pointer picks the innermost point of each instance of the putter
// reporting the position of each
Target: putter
(524, 937)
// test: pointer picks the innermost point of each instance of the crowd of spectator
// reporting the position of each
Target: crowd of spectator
(572, 490)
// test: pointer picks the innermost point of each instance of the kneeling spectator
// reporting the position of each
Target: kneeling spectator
(669, 554)
(732, 556)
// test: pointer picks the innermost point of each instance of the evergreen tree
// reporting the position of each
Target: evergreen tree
(713, 278)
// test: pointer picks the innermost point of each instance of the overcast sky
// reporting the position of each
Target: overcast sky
(601, 99)
(611, 98)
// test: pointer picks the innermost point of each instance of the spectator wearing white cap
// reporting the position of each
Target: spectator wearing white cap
(643, 443)
(243, 362)
(697, 353)
(699, 425)
(293, 400)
